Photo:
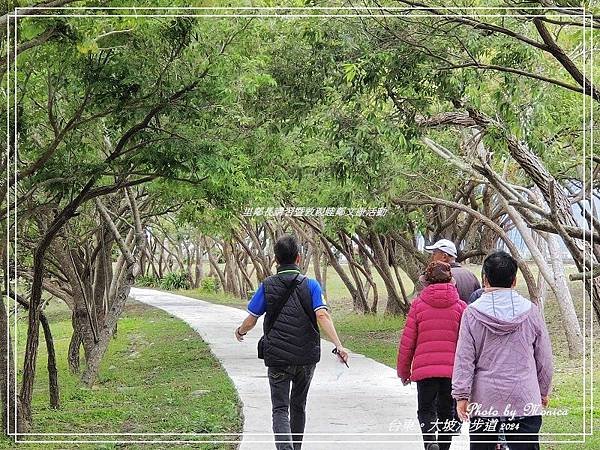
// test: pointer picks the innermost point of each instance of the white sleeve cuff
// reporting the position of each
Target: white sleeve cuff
(253, 314)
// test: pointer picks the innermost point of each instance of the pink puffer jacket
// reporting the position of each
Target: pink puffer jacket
(429, 338)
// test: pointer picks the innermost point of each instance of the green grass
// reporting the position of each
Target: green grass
(158, 376)
(373, 335)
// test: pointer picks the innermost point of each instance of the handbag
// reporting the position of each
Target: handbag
(288, 295)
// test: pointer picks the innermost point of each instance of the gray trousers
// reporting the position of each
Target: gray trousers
(289, 407)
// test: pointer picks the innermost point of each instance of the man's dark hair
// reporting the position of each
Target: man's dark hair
(500, 269)
(286, 249)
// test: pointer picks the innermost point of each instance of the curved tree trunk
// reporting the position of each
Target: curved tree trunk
(52, 371)
(361, 302)
(556, 281)
(340, 271)
(381, 262)
(231, 280)
(564, 298)
(215, 269)
(316, 259)
(73, 356)
(132, 259)
(369, 276)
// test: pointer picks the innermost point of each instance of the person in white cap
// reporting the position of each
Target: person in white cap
(466, 283)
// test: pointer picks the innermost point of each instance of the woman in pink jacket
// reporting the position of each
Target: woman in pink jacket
(426, 353)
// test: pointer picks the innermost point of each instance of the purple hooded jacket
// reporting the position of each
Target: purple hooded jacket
(503, 362)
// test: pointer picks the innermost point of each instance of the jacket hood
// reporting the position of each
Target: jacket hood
(440, 295)
(501, 311)
(497, 325)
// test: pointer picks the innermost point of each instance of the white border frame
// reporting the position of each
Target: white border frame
(295, 15)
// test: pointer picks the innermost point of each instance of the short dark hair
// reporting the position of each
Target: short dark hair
(286, 249)
(500, 269)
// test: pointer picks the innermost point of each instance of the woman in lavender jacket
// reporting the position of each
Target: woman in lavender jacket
(503, 365)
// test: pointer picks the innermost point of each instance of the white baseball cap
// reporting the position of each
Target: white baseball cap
(445, 246)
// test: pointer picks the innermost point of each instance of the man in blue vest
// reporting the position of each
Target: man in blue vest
(294, 310)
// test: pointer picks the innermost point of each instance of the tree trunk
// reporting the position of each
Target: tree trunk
(411, 260)
(369, 275)
(256, 261)
(260, 253)
(552, 277)
(199, 268)
(33, 331)
(230, 266)
(74, 346)
(84, 332)
(118, 304)
(52, 371)
(244, 280)
(316, 258)
(325, 265)
(102, 276)
(214, 265)
(400, 283)
(340, 271)
(361, 303)
(564, 299)
(106, 332)
(161, 257)
(382, 265)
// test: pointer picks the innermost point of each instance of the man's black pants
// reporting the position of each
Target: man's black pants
(289, 414)
(435, 411)
(488, 429)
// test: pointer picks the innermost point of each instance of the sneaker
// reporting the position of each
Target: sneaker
(433, 446)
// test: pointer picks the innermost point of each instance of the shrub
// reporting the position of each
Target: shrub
(175, 280)
(147, 281)
(209, 285)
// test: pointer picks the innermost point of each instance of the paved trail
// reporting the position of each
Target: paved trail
(366, 398)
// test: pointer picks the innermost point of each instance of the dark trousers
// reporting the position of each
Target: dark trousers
(489, 428)
(289, 414)
(435, 411)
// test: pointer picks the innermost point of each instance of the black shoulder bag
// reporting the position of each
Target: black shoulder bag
(288, 295)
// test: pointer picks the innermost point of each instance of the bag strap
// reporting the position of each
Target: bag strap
(288, 295)
(310, 316)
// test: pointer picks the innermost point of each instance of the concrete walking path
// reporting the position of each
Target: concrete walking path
(366, 398)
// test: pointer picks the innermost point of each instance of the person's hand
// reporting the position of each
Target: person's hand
(405, 381)
(461, 409)
(238, 336)
(545, 401)
(342, 353)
